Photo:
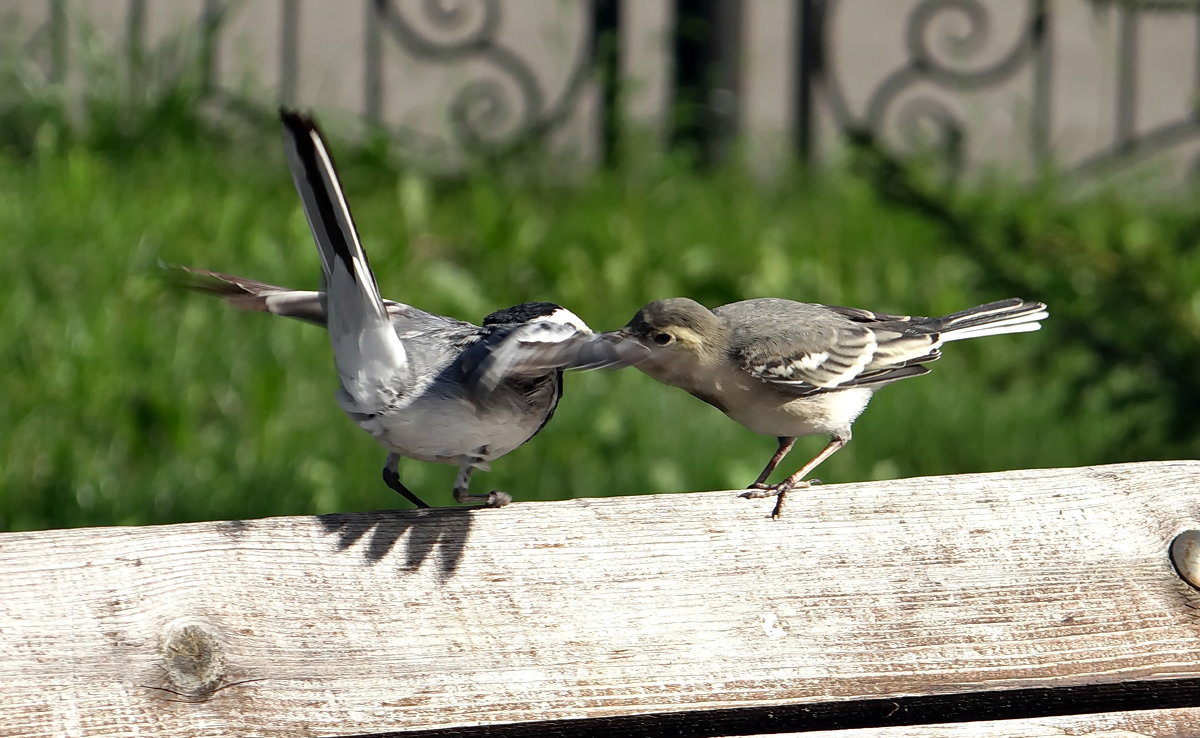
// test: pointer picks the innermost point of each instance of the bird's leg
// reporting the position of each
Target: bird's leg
(462, 483)
(795, 480)
(759, 489)
(392, 479)
(785, 445)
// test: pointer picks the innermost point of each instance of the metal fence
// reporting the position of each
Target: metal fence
(1076, 83)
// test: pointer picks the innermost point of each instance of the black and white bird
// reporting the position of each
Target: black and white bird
(789, 369)
(425, 386)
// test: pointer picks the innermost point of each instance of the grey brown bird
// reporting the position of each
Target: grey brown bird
(790, 369)
(425, 386)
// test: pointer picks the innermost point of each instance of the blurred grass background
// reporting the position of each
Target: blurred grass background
(127, 402)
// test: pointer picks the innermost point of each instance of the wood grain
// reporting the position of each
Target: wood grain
(401, 620)
(1182, 723)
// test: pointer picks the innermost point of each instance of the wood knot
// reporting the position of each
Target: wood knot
(1185, 555)
(192, 658)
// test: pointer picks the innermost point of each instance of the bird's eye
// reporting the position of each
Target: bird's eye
(662, 339)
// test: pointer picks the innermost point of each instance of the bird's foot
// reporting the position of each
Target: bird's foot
(759, 490)
(496, 498)
(779, 491)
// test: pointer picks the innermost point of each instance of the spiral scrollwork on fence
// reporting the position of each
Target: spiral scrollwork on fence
(925, 121)
(967, 43)
(503, 105)
(451, 28)
(946, 44)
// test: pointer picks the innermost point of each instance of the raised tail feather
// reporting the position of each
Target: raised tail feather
(367, 352)
(1013, 315)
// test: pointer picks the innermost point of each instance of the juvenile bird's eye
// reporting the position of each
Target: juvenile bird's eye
(662, 339)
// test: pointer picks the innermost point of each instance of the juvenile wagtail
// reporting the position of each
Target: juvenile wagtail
(789, 369)
(425, 386)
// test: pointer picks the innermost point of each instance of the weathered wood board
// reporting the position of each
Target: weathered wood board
(1181, 723)
(401, 620)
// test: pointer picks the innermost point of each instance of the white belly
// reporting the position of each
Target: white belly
(829, 413)
(453, 431)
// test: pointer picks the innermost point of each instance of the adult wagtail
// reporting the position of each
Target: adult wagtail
(425, 386)
(790, 369)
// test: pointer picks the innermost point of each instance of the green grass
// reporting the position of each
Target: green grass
(127, 402)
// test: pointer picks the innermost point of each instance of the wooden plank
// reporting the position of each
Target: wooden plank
(401, 620)
(1182, 723)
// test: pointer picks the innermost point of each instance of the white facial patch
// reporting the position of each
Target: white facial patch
(562, 316)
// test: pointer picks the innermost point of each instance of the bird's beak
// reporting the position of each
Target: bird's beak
(632, 348)
(620, 336)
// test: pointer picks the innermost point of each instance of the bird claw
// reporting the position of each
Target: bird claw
(780, 491)
(496, 498)
(756, 492)
(759, 490)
